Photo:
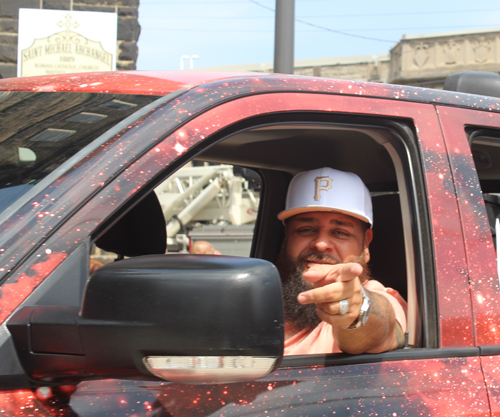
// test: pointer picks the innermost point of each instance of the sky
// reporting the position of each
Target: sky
(234, 32)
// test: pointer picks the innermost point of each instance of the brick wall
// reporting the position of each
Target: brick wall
(128, 27)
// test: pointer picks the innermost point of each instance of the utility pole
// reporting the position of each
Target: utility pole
(284, 36)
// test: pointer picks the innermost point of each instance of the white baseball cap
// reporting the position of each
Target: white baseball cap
(327, 189)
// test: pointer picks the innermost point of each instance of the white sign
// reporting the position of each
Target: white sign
(65, 41)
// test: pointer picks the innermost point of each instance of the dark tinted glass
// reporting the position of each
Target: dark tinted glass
(41, 130)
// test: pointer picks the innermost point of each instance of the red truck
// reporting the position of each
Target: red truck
(174, 334)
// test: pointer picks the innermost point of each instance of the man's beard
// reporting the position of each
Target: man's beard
(304, 316)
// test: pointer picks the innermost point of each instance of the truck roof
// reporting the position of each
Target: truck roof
(166, 82)
(124, 82)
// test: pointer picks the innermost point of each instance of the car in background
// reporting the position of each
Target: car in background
(86, 161)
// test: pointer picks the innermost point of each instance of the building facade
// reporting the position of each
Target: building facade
(420, 60)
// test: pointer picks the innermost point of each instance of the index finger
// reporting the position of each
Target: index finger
(322, 275)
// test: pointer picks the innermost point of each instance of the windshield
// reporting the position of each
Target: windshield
(40, 131)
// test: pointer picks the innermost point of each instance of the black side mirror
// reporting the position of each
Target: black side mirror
(184, 318)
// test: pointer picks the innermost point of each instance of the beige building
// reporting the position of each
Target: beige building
(420, 60)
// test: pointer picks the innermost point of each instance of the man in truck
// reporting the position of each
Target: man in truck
(331, 303)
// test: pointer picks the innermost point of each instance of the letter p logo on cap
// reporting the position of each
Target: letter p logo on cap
(320, 187)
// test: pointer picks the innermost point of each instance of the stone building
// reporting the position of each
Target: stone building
(128, 27)
(419, 60)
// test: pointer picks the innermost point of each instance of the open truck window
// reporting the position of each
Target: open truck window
(379, 151)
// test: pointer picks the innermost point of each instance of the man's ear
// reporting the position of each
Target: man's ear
(368, 239)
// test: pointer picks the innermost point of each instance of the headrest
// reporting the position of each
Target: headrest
(387, 250)
(141, 231)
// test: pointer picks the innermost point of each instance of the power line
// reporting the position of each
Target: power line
(448, 12)
(325, 28)
(316, 26)
(406, 28)
(344, 33)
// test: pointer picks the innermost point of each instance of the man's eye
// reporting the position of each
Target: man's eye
(341, 233)
(305, 230)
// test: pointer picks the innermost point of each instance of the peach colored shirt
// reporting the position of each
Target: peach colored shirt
(321, 340)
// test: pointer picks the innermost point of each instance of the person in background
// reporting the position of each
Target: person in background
(202, 247)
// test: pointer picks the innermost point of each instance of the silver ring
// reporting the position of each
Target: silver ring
(344, 307)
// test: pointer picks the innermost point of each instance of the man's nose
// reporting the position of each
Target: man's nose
(322, 242)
